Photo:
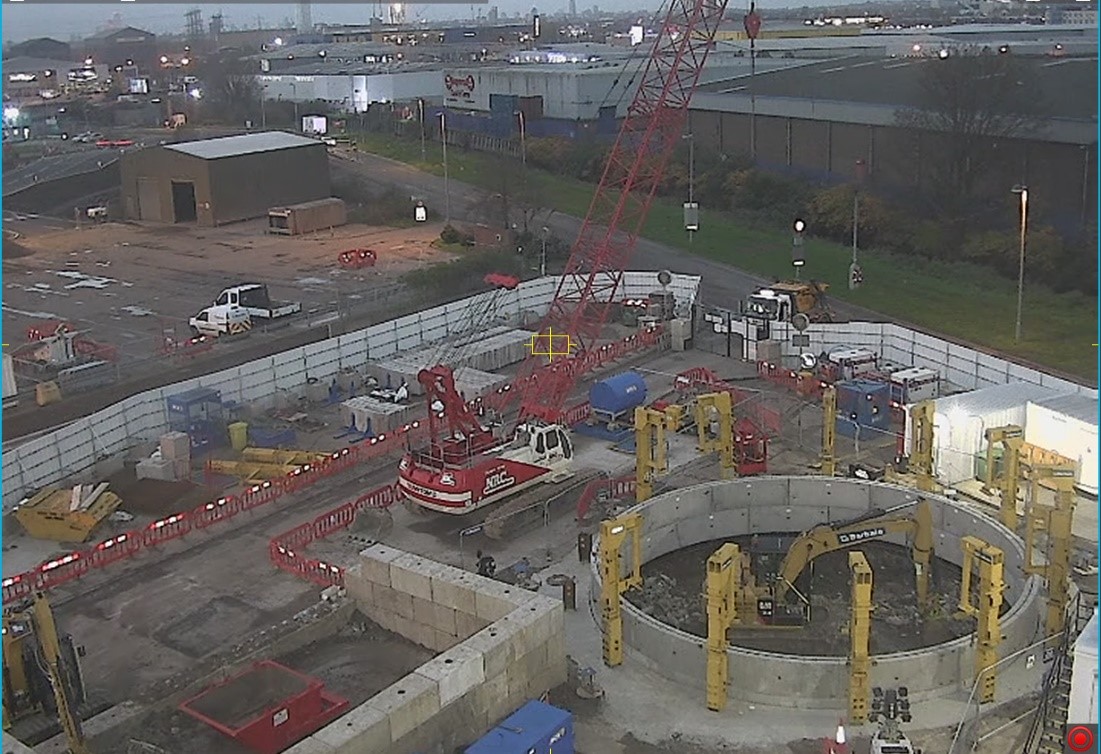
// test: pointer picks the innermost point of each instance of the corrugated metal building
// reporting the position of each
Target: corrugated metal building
(217, 181)
(1067, 425)
(961, 421)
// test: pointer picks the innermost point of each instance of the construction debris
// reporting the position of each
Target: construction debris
(67, 515)
(661, 597)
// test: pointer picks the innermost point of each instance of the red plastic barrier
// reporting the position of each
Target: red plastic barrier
(335, 520)
(63, 570)
(260, 494)
(116, 548)
(19, 586)
(219, 510)
(613, 489)
(166, 529)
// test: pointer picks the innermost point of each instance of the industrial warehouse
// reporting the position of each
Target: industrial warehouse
(224, 180)
(284, 473)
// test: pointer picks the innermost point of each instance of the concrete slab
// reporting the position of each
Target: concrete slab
(369, 414)
(456, 672)
(363, 728)
(408, 703)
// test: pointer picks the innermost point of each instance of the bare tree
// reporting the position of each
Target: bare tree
(974, 101)
(231, 92)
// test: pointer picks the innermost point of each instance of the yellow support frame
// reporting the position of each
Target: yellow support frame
(722, 404)
(921, 445)
(613, 583)
(1056, 521)
(1012, 439)
(991, 563)
(860, 633)
(829, 430)
(723, 579)
(650, 456)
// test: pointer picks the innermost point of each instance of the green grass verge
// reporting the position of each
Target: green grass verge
(959, 300)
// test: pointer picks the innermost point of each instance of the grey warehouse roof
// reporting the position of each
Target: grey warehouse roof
(994, 398)
(233, 146)
(1074, 405)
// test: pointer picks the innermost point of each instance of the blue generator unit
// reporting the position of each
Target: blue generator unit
(615, 399)
(863, 406)
(535, 728)
(199, 412)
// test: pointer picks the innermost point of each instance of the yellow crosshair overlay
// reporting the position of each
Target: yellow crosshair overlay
(550, 344)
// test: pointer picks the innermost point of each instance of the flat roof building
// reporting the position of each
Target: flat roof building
(217, 181)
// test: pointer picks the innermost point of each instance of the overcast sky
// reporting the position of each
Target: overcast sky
(72, 21)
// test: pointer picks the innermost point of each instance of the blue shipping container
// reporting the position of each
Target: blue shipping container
(618, 394)
(535, 728)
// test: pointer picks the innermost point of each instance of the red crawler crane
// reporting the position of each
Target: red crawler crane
(470, 469)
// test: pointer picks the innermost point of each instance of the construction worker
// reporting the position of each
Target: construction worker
(487, 566)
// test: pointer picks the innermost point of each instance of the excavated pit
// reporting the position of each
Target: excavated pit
(674, 585)
(808, 667)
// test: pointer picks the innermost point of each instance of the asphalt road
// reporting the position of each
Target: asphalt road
(58, 166)
(722, 284)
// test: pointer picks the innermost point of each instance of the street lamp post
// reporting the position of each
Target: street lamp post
(543, 254)
(263, 110)
(523, 140)
(691, 209)
(420, 109)
(294, 99)
(446, 179)
(1021, 191)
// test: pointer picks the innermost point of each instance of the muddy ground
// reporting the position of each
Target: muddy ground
(673, 589)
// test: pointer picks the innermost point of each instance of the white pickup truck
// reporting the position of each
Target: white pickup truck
(254, 298)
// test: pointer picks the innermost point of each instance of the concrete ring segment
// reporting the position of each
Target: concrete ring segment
(692, 515)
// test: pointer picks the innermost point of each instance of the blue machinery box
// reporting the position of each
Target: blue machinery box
(535, 728)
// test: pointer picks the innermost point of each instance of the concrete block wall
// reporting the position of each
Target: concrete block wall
(500, 646)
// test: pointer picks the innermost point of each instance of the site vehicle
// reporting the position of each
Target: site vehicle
(846, 364)
(254, 298)
(784, 299)
(221, 320)
(470, 466)
(915, 520)
(914, 385)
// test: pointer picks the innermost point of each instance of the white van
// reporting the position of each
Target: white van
(221, 320)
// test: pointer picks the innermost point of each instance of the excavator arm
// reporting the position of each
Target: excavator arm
(916, 523)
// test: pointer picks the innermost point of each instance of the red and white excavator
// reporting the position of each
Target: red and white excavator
(471, 467)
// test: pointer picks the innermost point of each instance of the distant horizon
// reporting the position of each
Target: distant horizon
(75, 22)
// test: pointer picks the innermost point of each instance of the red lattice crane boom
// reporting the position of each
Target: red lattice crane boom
(636, 165)
(471, 468)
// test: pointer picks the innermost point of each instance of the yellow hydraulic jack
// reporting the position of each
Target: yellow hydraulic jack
(991, 563)
(650, 451)
(1012, 439)
(829, 430)
(723, 581)
(921, 438)
(723, 441)
(860, 631)
(613, 582)
(1056, 521)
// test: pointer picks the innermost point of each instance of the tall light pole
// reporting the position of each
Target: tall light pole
(856, 276)
(523, 140)
(446, 180)
(294, 100)
(1021, 191)
(543, 254)
(691, 209)
(263, 110)
(420, 109)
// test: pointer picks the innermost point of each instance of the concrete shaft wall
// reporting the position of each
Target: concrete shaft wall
(688, 516)
(500, 646)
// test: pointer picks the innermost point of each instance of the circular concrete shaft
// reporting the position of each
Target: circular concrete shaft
(688, 516)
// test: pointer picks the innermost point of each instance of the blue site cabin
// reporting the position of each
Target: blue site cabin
(535, 728)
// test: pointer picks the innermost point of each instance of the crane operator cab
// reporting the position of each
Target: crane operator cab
(547, 443)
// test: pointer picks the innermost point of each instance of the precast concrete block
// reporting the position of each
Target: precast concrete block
(453, 590)
(494, 643)
(393, 601)
(409, 703)
(359, 588)
(556, 647)
(311, 745)
(546, 680)
(494, 600)
(410, 574)
(363, 728)
(420, 634)
(492, 696)
(439, 617)
(466, 625)
(444, 641)
(456, 672)
(535, 623)
(375, 563)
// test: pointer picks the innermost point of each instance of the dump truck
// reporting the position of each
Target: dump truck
(785, 299)
(254, 298)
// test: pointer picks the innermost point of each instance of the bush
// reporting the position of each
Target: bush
(463, 276)
(453, 237)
